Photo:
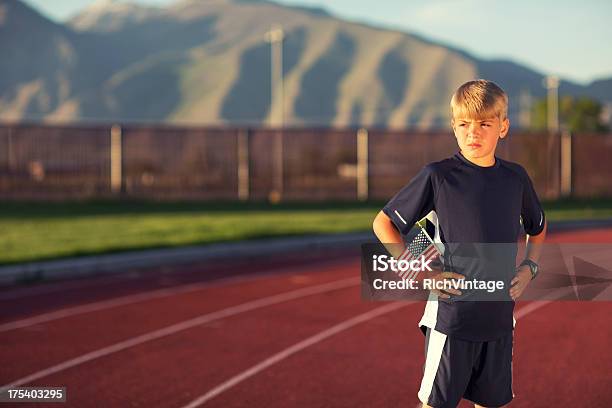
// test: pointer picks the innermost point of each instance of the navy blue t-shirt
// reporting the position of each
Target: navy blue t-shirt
(477, 206)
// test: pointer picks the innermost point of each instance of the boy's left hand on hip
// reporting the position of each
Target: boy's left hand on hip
(520, 282)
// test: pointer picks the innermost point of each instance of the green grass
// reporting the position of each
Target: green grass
(564, 210)
(38, 231)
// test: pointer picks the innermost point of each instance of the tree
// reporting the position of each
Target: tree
(576, 114)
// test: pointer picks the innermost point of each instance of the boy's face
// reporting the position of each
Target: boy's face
(477, 138)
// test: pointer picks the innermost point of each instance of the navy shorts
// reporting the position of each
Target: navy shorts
(480, 371)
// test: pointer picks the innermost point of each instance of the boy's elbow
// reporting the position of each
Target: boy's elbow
(542, 234)
(376, 224)
(381, 223)
(544, 228)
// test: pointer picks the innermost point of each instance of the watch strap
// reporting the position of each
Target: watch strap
(533, 267)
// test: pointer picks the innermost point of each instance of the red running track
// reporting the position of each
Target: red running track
(287, 333)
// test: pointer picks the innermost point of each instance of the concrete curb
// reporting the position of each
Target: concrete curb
(559, 226)
(110, 263)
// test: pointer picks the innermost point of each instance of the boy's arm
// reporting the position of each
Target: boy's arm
(388, 235)
(534, 222)
(533, 250)
(534, 245)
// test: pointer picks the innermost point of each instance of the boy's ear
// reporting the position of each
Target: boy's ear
(505, 126)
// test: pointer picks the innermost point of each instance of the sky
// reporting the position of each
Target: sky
(566, 38)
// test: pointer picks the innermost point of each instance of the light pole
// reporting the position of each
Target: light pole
(552, 104)
(552, 85)
(525, 106)
(275, 37)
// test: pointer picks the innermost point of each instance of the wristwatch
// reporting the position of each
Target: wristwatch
(532, 266)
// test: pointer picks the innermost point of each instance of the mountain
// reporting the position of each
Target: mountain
(39, 62)
(206, 62)
(600, 89)
(111, 15)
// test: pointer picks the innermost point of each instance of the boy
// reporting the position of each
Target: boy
(478, 198)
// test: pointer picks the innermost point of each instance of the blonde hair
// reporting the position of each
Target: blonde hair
(479, 99)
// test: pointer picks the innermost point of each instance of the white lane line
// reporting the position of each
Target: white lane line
(347, 324)
(531, 307)
(128, 299)
(187, 324)
(96, 306)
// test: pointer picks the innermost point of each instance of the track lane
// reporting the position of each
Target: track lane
(563, 356)
(23, 302)
(199, 357)
(565, 372)
(144, 294)
(73, 336)
(140, 373)
(375, 364)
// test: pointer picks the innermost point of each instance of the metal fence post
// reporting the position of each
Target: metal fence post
(243, 164)
(362, 164)
(116, 159)
(566, 163)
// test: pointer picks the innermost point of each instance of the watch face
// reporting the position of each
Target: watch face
(534, 269)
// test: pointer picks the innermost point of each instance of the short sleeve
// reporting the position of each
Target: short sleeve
(413, 202)
(531, 211)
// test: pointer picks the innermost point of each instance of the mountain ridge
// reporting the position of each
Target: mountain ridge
(207, 63)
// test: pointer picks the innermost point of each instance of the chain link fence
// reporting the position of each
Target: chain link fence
(39, 162)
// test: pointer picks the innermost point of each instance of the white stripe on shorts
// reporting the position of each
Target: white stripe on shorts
(435, 346)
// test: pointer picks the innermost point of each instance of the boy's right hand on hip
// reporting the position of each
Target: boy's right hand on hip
(446, 288)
